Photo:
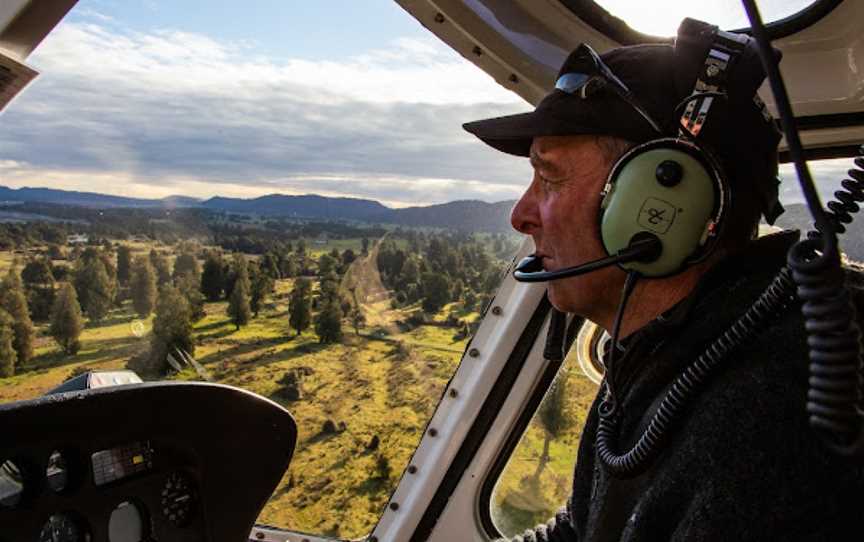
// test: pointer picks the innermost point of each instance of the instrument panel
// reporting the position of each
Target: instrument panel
(185, 462)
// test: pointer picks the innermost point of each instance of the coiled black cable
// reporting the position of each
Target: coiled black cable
(777, 297)
(847, 199)
(833, 337)
(832, 332)
(836, 383)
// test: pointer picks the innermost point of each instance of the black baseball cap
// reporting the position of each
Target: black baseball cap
(659, 77)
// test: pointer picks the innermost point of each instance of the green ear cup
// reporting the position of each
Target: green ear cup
(640, 198)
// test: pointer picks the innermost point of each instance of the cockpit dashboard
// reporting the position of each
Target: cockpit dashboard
(184, 462)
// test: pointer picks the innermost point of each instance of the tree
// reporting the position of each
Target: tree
(326, 264)
(163, 269)
(172, 329)
(212, 278)
(8, 357)
(14, 302)
(555, 418)
(94, 288)
(330, 288)
(238, 303)
(300, 306)
(328, 323)
(66, 320)
(436, 292)
(358, 319)
(348, 258)
(39, 285)
(470, 299)
(262, 284)
(189, 286)
(143, 286)
(269, 265)
(186, 263)
(457, 289)
(37, 272)
(411, 271)
(124, 264)
(289, 268)
(56, 252)
(237, 270)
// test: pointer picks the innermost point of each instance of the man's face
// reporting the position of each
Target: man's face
(560, 212)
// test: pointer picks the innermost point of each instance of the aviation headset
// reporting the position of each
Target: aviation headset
(673, 188)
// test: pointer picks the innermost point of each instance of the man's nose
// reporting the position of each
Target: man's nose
(525, 216)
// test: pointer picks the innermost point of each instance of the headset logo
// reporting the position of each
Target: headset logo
(657, 215)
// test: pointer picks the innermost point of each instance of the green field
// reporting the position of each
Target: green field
(362, 405)
(365, 387)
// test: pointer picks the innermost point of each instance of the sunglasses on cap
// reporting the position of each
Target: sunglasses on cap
(595, 76)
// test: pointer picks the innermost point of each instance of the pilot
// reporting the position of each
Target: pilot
(611, 147)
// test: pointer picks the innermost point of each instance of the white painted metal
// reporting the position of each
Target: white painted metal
(9, 9)
(267, 534)
(25, 23)
(494, 341)
(523, 42)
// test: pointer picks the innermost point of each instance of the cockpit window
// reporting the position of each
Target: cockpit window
(204, 194)
(662, 17)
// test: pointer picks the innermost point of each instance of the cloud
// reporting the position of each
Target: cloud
(171, 110)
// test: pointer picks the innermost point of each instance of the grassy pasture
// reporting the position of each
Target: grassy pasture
(366, 387)
(363, 404)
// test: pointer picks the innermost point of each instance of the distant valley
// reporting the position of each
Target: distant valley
(468, 215)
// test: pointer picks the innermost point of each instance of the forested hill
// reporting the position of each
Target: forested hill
(308, 206)
(87, 199)
(468, 215)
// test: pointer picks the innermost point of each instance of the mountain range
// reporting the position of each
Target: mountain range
(469, 215)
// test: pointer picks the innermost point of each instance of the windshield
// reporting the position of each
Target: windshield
(236, 194)
(662, 17)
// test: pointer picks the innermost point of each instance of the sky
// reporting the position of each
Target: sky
(151, 98)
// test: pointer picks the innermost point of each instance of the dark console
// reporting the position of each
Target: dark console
(166, 462)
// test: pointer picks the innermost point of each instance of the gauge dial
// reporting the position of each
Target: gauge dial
(57, 473)
(11, 484)
(63, 528)
(178, 499)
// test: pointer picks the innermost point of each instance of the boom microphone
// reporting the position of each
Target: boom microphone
(644, 247)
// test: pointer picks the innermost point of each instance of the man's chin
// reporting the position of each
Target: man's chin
(559, 298)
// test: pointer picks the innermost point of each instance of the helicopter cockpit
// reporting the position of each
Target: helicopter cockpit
(239, 440)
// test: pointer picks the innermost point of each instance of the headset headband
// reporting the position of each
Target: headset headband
(725, 50)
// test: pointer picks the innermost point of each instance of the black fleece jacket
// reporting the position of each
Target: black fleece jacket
(743, 463)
